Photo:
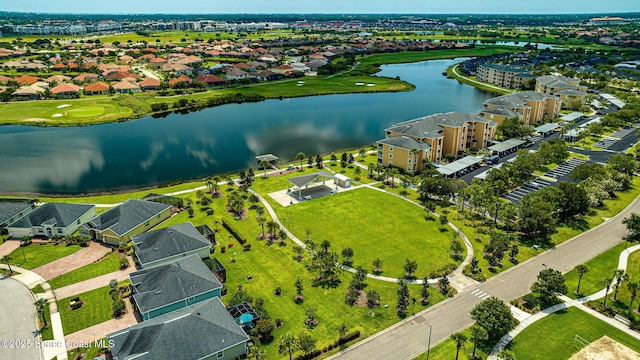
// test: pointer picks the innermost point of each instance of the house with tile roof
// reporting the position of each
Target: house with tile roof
(65, 90)
(52, 219)
(96, 88)
(117, 225)
(165, 288)
(149, 84)
(125, 87)
(168, 244)
(205, 331)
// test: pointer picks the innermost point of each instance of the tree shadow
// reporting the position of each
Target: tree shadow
(576, 224)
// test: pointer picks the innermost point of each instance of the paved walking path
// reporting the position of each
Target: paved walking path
(94, 283)
(31, 279)
(82, 257)
(568, 302)
(408, 338)
(456, 73)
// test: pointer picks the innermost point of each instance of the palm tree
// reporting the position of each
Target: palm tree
(607, 284)
(6, 259)
(620, 277)
(287, 344)
(265, 164)
(393, 172)
(414, 155)
(209, 184)
(272, 226)
(301, 156)
(459, 338)
(633, 291)
(581, 269)
(40, 304)
(478, 333)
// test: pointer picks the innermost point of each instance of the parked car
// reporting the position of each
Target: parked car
(493, 159)
(308, 197)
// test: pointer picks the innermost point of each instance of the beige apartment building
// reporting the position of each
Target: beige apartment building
(502, 75)
(411, 144)
(533, 106)
(567, 89)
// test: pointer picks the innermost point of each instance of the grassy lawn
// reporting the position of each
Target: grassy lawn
(265, 263)
(447, 349)
(385, 227)
(472, 81)
(104, 266)
(558, 331)
(96, 309)
(85, 110)
(90, 352)
(47, 332)
(600, 267)
(40, 254)
(37, 290)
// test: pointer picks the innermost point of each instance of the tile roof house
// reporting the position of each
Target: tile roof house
(11, 212)
(211, 80)
(165, 288)
(149, 84)
(119, 224)
(26, 79)
(65, 89)
(52, 219)
(202, 331)
(57, 78)
(168, 244)
(30, 91)
(125, 87)
(180, 79)
(96, 88)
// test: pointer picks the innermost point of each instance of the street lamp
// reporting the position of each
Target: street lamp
(545, 266)
(429, 344)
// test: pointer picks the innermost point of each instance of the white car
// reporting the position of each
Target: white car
(308, 197)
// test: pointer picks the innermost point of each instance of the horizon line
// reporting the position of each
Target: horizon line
(312, 13)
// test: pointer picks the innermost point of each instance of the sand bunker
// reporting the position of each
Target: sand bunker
(371, 84)
(359, 84)
(606, 348)
(56, 115)
(64, 106)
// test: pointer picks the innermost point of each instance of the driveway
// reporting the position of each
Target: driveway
(84, 256)
(407, 339)
(8, 246)
(17, 321)
(94, 283)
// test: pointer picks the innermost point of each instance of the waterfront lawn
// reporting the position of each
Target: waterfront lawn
(265, 185)
(87, 110)
(600, 267)
(107, 264)
(95, 309)
(553, 336)
(374, 225)
(38, 254)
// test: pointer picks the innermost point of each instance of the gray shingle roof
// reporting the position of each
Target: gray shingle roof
(302, 180)
(518, 100)
(503, 67)
(193, 332)
(430, 126)
(126, 216)
(557, 81)
(167, 242)
(9, 210)
(55, 214)
(405, 142)
(502, 111)
(166, 284)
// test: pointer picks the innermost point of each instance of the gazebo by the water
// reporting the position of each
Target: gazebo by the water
(270, 158)
(303, 181)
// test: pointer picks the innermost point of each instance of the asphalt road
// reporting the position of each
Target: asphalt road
(17, 322)
(410, 337)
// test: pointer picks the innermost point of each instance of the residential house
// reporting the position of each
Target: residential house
(165, 288)
(84, 78)
(29, 92)
(52, 219)
(57, 78)
(211, 80)
(182, 79)
(125, 87)
(26, 79)
(165, 245)
(177, 69)
(96, 88)
(202, 331)
(149, 84)
(236, 74)
(157, 63)
(11, 212)
(268, 75)
(119, 224)
(534, 106)
(433, 137)
(65, 90)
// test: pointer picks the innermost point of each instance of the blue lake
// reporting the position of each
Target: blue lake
(152, 151)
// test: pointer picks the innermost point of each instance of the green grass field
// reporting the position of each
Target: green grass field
(38, 255)
(84, 111)
(104, 266)
(600, 267)
(374, 225)
(553, 336)
(96, 309)
(446, 350)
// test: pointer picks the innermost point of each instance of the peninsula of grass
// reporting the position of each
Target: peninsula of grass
(453, 72)
(39, 254)
(106, 265)
(553, 336)
(96, 308)
(374, 225)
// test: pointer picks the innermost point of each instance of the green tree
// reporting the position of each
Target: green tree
(633, 288)
(263, 329)
(623, 163)
(586, 171)
(301, 156)
(632, 223)
(40, 307)
(494, 316)
(347, 254)
(265, 165)
(414, 161)
(505, 354)
(478, 333)
(424, 292)
(581, 270)
(377, 265)
(553, 151)
(550, 284)
(459, 339)
(373, 299)
(403, 299)
(410, 267)
(287, 344)
(306, 343)
(6, 259)
(620, 277)
(536, 216)
(574, 200)
(606, 282)
(118, 307)
(299, 285)
(514, 127)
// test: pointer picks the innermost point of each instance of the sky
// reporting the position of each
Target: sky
(322, 6)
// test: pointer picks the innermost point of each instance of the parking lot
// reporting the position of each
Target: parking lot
(610, 140)
(561, 172)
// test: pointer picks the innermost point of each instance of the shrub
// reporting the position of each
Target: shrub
(298, 299)
(233, 232)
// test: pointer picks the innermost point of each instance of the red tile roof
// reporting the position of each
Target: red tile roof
(65, 88)
(96, 87)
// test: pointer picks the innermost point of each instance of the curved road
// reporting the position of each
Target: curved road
(409, 337)
(17, 321)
